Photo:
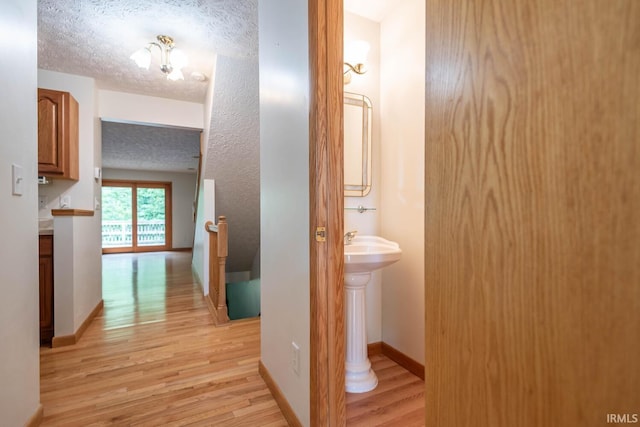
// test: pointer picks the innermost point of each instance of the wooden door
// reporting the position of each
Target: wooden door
(326, 194)
(532, 212)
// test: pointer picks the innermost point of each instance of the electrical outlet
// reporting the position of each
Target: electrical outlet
(42, 202)
(295, 358)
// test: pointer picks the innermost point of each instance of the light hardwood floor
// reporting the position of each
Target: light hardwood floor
(154, 358)
(397, 401)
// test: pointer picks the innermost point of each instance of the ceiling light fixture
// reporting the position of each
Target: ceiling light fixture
(172, 60)
(356, 52)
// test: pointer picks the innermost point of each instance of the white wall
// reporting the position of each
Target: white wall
(206, 212)
(284, 196)
(19, 325)
(76, 276)
(206, 192)
(367, 223)
(84, 191)
(128, 107)
(63, 277)
(77, 243)
(132, 108)
(183, 189)
(402, 38)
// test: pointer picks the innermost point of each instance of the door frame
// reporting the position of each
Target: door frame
(134, 184)
(326, 192)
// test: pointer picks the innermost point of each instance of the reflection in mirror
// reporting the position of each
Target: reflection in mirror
(357, 145)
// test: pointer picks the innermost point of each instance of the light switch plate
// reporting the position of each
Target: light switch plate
(17, 180)
(65, 202)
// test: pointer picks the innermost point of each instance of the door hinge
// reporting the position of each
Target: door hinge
(321, 234)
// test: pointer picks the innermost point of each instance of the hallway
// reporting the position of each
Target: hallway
(153, 357)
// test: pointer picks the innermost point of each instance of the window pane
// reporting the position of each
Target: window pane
(117, 214)
(151, 217)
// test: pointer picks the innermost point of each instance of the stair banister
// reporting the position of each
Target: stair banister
(218, 251)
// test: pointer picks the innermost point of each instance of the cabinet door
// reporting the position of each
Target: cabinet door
(46, 298)
(50, 113)
(45, 269)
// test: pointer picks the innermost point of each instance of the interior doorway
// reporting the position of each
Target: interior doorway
(136, 216)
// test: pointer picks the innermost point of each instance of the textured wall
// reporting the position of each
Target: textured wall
(233, 156)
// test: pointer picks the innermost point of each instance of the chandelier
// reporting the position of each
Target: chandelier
(172, 60)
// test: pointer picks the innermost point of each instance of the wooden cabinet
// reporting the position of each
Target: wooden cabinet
(46, 289)
(57, 135)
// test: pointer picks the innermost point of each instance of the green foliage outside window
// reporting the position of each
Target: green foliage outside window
(150, 203)
(116, 202)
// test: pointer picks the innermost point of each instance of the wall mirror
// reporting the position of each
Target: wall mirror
(357, 145)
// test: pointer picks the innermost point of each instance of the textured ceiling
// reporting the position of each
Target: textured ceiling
(95, 39)
(138, 147)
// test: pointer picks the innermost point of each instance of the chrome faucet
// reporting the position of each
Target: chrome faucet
(348, 237)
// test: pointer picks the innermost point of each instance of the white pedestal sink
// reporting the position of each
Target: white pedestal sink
(362, 256)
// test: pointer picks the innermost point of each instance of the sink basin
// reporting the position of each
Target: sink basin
(369, 253)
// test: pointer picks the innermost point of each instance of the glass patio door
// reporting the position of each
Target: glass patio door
(136, 216)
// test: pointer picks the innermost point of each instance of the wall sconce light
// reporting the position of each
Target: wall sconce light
(172, 60)
(356, 52)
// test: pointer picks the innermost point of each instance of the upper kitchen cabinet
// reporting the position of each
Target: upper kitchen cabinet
(57, 135)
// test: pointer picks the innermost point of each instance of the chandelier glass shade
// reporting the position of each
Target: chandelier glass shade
(172, 60)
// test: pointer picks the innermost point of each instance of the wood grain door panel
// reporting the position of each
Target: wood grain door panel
(532, 257)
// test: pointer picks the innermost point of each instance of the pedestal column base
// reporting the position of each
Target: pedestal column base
(359, 377)
(359, 380)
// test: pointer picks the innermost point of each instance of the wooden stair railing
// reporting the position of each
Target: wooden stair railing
(218, 250)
